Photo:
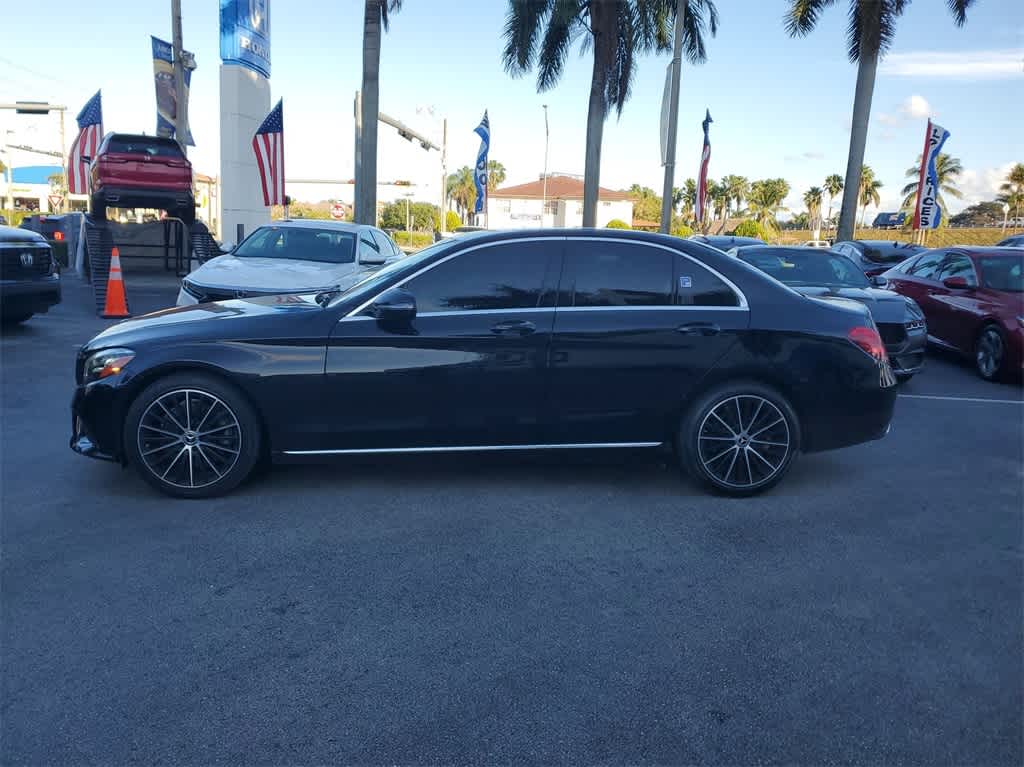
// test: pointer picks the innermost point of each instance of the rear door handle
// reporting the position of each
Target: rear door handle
(699, 329)
(513, 328)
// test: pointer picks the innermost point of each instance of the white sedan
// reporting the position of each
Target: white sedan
(291, 257)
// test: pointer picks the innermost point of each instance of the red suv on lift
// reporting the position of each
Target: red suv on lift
(131, 171)
(973, 300)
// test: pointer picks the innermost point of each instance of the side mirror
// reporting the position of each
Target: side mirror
(879, 281)
(956, 283)
(396, 306)
(372, 259)
(227, 247)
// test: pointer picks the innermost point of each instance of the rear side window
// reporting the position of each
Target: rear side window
(501, 276)
(696, 286)
(958, 266)
(616, 274)
(927, 266)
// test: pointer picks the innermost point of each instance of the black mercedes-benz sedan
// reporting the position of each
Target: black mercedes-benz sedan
(544, 339)
(899, 319)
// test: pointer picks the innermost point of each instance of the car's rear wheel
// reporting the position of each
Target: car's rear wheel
(989, 353)
(192, 436)
(739, 439)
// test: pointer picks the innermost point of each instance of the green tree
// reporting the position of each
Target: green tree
(689, 199)
(766, 201)
(833, 185)
(812, 199)
(495, 175)
(981, 214)
(462, 190)
(541, 33)
(750, 228)
(452, 220)
(947, 169)
(1012, 191)
(868, 192)
(677, 197)
(375, 19)
(869, 33)
(617, 223)
(737, 189)
(646, 203)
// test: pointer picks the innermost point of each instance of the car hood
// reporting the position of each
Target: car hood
(272, 274)
(242, 318)
(885, 305)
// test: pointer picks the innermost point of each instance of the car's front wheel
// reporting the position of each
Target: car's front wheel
(989, 351)
(192, 436)
(739, 439)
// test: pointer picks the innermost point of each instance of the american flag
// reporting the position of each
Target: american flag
(268, 144)
(90, 133)
(702, 178)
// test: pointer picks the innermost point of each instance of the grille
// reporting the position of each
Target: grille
(13, 268)
(891, 333)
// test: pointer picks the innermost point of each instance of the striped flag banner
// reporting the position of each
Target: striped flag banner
(702, 177)
(268, 144)
(90, 134)
(928, 214)
(483, 130)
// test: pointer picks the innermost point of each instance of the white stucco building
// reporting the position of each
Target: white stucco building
(525, 206)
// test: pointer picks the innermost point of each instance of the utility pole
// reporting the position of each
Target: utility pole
(544, 193)
(444, 175)
(65, 191)
(358, 166)
(181, 102)
(673, 121)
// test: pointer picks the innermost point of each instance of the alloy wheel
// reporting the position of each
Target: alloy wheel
(189, 438)
(990, 353)
(743, 441)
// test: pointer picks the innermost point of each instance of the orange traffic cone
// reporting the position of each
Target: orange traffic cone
(117, 305)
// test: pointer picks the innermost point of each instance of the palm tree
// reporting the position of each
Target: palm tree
(765, 201)
(677, 197)
(947, 168)
(738, 188)
(689, 199)
(375, 17)
(495, 175)
(868, 191)
(541, 32)
(833, 185)
(462, 189)
(869, 34)
(1013, 190)
(812, 199)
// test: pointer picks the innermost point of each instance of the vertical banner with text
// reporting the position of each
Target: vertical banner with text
(166, 93)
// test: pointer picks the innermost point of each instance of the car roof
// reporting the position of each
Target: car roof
(982, 250)
(798, 249)
(17, 234)
(318, 223)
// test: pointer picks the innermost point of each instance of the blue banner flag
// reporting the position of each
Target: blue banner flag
(928, 214)
(167, 96)
(480, 174)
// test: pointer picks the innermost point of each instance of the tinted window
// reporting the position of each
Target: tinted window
(907, 265)
(696, 286)
(142, 145)
(927, 266)
(1002, 273)
(958, 266)
(799, 268)
(325, 245)
(507, 276)
(616, 274)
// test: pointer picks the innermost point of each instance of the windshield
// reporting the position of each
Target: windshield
(811, 269)
(328, 246)
(371, 284)
(1002, 273)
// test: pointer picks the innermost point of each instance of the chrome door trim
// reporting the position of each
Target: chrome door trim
(477, 448)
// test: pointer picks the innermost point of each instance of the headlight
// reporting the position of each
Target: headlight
(106, 363)
(193, 291)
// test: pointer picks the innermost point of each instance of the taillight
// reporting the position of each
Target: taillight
(870, 342)
(58, 236)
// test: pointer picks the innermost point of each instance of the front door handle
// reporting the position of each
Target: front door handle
(699, 329)
(513, 328)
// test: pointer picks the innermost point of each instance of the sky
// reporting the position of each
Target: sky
(781, 106)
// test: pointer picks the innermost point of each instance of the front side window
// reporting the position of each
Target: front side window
(958, 266)
(299, 244)
(616, 274)
(500, 276)
(927, 266)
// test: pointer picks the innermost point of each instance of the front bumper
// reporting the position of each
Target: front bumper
(907, 357)
(95, 419)
(29, 296)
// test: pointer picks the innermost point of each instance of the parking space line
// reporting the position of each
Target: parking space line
(962, 399)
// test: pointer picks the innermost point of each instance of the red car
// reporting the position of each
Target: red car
(142, 172)
(973, 300)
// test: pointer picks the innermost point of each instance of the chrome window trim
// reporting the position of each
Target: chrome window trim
(477, 448)
(743, 306)
(466, 312)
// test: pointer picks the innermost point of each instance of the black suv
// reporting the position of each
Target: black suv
(29, 279)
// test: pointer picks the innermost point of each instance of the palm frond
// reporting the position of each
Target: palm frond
(959, 10)
(802, 17)
(523, 25)
(386, 7)
(556, 43)
(699, 18)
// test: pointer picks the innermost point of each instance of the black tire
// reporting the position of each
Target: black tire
(161, 426)
(990, 353)
(15, 319)
(750, 439)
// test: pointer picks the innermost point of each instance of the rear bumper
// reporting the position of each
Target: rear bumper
(35, 296)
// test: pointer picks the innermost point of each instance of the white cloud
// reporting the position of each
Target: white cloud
(980, 185)
(917, 107)
(956, 65)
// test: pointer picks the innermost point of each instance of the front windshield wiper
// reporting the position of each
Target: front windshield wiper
(325, 296)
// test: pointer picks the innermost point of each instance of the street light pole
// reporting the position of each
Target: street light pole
(181, 103)
(673, 121)
(1006, 212)
(544, 193)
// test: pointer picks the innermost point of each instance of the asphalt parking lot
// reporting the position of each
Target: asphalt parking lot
(513, 609)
